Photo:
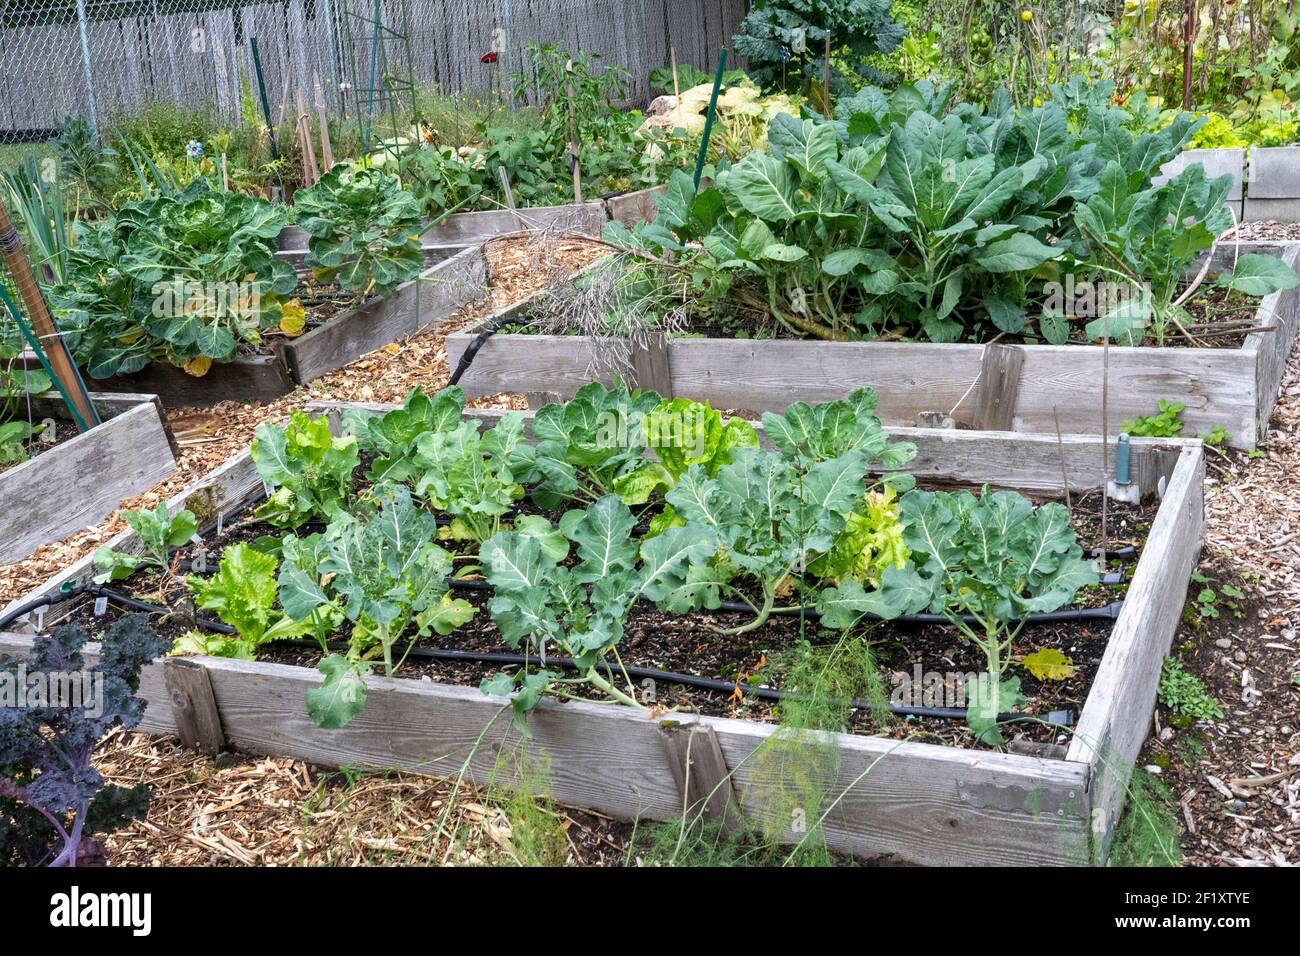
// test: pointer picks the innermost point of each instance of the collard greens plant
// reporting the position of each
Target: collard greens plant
(364, 227)
(910, 216)
(158, 533)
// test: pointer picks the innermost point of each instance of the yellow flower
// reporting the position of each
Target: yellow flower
(1026, 15)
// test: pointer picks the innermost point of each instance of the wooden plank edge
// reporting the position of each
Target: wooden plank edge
(1117, 713)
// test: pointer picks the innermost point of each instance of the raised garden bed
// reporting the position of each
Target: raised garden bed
(1029, 388)
(439, 292)
(917, 801)
(80, 481)
(471, 228)
(1266, 183)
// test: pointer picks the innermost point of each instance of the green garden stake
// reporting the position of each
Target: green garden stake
(708, 119)
(261, 89)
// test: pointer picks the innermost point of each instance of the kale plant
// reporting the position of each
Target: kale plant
(55, 804)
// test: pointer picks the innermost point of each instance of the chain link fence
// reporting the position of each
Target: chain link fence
(100, 59)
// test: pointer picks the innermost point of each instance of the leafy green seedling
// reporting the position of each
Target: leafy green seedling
(158, 533)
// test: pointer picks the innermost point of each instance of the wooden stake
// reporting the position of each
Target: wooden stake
(1065, 477)
(677, 90)
(322, 117)
(11, 244)
(826, 78)
(510, 197)
(573, 135)
(310, 169)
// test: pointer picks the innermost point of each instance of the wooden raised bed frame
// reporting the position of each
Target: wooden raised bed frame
(1024, 388)
(79, 482)
(922, 802)
(441, 290)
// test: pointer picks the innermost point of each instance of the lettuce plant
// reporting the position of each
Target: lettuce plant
(364, 228)
(243, 594)
(580, 608)
(306, 468)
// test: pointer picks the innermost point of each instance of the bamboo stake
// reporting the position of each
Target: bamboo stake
(11, 244)
(326, 149)
(573, 135)
(311, 170)
(677, 90)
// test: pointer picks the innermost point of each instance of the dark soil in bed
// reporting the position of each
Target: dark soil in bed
(761, 658)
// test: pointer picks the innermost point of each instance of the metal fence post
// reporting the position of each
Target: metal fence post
(85, 65)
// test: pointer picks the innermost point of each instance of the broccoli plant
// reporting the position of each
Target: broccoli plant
(53, 802)
(306, 468)
(158, 532)
(580, 608)
(594, 445)
(992, 556)
(389, 439)
(364, 227)
(388, 576)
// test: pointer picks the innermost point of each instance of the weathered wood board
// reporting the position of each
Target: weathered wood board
(918, 802)
(1231, 387)
(80, 482)
(413, 306)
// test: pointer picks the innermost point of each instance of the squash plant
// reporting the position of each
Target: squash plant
(364, 228)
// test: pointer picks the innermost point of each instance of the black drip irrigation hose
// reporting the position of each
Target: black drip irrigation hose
(1109, 612)
(1062, 717)
(476, 343)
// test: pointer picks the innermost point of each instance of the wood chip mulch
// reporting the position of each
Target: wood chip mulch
(1236, 781)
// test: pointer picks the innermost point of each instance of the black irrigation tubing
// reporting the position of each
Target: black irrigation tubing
(98, 590)
(1063, 717)
(1110, 612)
(476, 343)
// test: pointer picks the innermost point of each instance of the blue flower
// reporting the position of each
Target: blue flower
(193, 149)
